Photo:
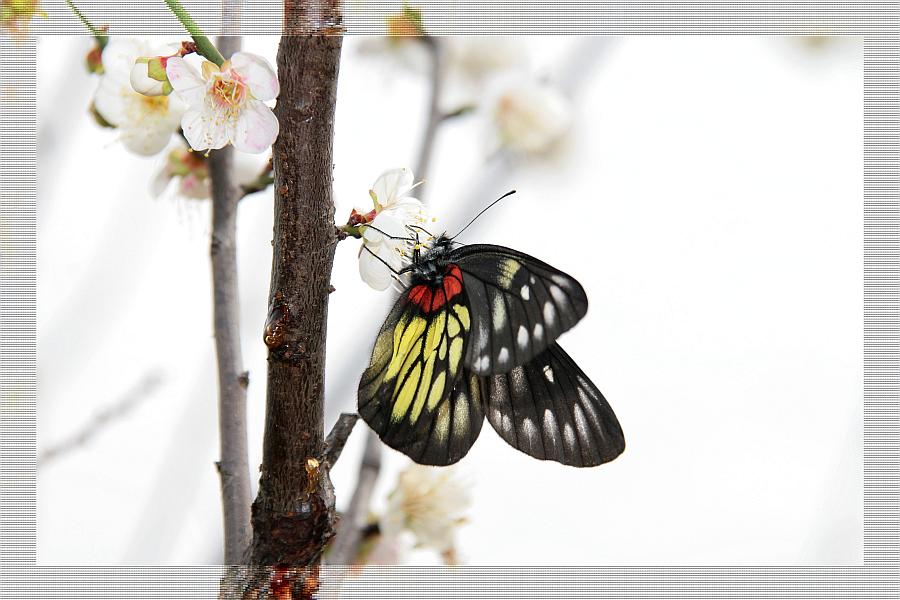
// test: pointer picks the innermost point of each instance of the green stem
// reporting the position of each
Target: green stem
(98, 34)
(204, 46)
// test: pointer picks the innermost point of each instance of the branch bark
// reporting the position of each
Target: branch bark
(293, 514)
(233, 465)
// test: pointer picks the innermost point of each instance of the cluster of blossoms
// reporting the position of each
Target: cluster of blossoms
(486, 75)
(15, 15)
(150, 93)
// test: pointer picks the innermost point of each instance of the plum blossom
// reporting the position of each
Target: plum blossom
(190, 171)
(145, 123)
(430, 503)
(394, 210)
(529, 117)
(226, 104)
(15, 16)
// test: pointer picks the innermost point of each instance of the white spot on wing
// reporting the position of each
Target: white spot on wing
(532, 280)
(522, 337)
(569, 435)
(499, 312)
(549, 313)
(484, 363)
(539, 332)
(503, 356)
(560, 280)
(558, 295)
(551, 432)
(526, 293)
(548, 373)
(530, 431)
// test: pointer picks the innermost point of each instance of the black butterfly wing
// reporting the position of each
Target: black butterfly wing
(519, 306)
(415, 393)
(549, 409)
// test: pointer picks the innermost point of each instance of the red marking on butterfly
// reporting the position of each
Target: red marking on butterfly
(431, 299)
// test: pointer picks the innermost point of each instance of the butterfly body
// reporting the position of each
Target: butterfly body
(474, 336)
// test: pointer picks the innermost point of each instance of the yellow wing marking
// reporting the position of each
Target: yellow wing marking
(406, 394)
(403, 344)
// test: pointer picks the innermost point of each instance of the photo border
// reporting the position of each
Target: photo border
(878, 577)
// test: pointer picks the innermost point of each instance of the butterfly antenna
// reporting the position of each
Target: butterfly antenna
(420, 228)
(484, 210)
(387, 235)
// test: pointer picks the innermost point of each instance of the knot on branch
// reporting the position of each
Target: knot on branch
(296, 537)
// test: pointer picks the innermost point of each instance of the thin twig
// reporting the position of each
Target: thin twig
(434, 116)
(346, 543)
(103, 419)
(233, 465)
(334, 443)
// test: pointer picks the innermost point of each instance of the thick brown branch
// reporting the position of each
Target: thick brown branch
(293, 515)
(233, 466)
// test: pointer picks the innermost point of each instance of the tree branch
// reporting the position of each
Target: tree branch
(434, 116)
(293, 514)
(233, 465)
(346, 543)
(103, 419)
(334, 443)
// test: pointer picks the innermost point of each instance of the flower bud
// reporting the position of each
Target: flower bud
(148, 76)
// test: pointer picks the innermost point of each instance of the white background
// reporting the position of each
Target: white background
(709, 199)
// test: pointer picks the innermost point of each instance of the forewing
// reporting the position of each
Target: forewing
(414, 394)
(549, 409)
(519, 306)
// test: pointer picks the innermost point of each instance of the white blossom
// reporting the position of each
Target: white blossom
(395, 209)
(191, 173)
(430, 503)
(227, 103)
(529, 117)
(145, 123)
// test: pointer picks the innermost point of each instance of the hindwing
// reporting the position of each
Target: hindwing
(414, 393)
(519, 306)
(549, 409)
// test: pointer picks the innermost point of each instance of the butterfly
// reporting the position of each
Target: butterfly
(473, 335)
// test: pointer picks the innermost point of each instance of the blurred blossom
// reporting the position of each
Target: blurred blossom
(529, 117)
(471, 62)
(401, 43)
(190, 171)
(478, 57)
(430, 503)
(15, 15)
(394, 210)
(227, 103)
(145, 123)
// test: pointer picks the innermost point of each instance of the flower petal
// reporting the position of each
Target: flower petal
(373, 272)
(145, 140)
(256, 128)
(185, 80)
(392, 184)
(110, 100)
(204, 130)
(257, 74)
